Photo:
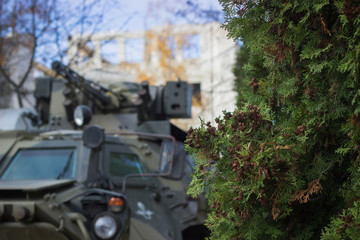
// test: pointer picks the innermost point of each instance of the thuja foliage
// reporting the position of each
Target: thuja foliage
(285, 165)
(242, 58)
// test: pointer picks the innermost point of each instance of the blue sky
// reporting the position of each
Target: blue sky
(141, 14)
(121, 15)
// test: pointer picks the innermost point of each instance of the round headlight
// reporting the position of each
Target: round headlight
(82, 115)
(105, 227)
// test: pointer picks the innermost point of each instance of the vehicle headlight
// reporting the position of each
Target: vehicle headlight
(105, 226)
(82, 115)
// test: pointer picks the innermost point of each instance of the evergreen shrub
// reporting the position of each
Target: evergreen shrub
(285, 164)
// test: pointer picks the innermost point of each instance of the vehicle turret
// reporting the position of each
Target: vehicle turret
(126, 105)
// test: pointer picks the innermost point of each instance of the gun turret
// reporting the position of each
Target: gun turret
(125, 102)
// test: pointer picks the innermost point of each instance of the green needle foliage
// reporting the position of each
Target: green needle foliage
(285, 165)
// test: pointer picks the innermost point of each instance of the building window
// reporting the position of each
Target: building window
(171, 44)
(196, 94)
(167, 46)
(109, 52)
(84, 52)
(191, 46)
(134, 50)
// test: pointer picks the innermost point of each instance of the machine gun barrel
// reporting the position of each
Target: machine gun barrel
(88, 87)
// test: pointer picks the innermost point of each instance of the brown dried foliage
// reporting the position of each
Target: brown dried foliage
(303, 196)
(351, 9)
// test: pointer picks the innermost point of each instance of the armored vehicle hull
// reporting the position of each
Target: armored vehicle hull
(99, 163)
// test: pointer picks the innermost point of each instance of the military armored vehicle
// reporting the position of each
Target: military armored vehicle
(97, 162)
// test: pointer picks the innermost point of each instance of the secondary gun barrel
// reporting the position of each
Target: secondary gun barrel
(88, 87)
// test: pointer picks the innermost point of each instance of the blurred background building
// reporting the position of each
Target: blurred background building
(198, 53)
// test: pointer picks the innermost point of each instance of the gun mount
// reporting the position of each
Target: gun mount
(129, 104)
(100, 96)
